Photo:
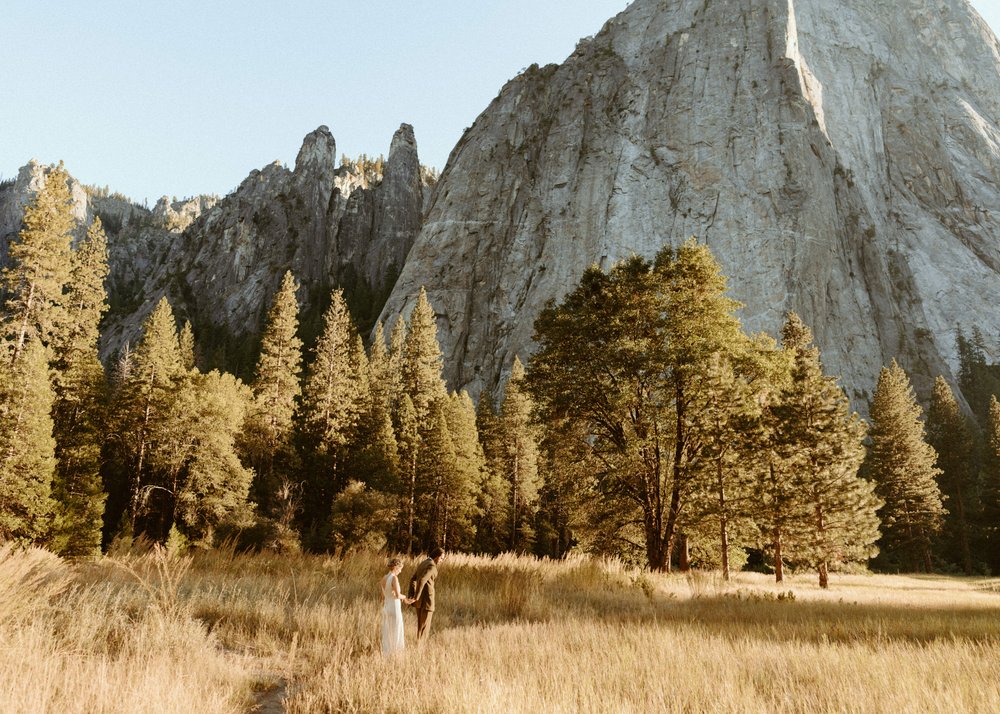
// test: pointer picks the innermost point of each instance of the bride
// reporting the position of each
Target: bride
(392, 613)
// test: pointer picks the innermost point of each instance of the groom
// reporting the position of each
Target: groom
(422, 591)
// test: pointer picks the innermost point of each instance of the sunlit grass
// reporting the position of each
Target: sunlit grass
(211, 633)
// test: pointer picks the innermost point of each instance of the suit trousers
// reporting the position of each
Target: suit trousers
(423, 623)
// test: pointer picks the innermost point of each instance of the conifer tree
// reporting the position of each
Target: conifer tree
(723, 489)
(408, 439)
(422, 361)
(901, 463)
(212, 486)
(991, 488)
(519, 459)
(143, 406)
(276, 388)
(949, 435)
(27, 460)
(822, 446)
(40, 264)
(437, 474)
(494, 489)
(463, 493)
(185, 342)
(333, 399)
(79, 411)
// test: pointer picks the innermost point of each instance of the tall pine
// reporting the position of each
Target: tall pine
(519, 459)
(80, 409)
(901, 463)
(949, 435)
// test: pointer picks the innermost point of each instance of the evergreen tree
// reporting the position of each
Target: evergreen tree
(519, 459)
(822, 447)
(27, 460)
(422, 362)
(494, 489)
(212, 486)
(40, 264)
(724, 478)
(978, 380)
(991, 489)
(185, 341)
(143, 406)
(949, 435)
(901, 463)
(276, 388)
(333, 399)
(407, 431)
(436, 468)
(81, 394)
(463, 491)
(568, 493)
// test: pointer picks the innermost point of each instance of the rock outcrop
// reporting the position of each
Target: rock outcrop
(840, 157)
(220, 261)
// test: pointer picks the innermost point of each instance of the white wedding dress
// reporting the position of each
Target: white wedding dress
(392, 619)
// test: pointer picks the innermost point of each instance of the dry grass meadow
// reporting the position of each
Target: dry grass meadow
(220, 632)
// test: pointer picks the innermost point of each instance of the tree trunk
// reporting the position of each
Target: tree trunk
(723, 524)
(779, 572)
(963, 532)
(824, 578)
(411, 506)
(684, 556)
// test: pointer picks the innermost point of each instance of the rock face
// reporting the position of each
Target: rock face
(840, 157)
(220, 261)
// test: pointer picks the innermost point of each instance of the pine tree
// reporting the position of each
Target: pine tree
(332, 403)
(436, 468)
(822, 446)
(185, 342)
(949, 435)
(723, 490)
(143, 406)
(407, 431)
(422, 361)
(519, 459)
(463, 493)
(81, 394)
(991, 488)
(40, 264)
(212, 486)
(27, 460)
(901, 463)
(276, 388)
(494, 489)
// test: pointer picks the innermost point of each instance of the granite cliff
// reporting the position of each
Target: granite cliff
(841, 159)
(220, 261)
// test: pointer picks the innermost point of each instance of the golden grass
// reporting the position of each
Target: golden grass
(213, 633)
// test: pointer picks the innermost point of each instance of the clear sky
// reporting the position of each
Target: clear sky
(184, 97)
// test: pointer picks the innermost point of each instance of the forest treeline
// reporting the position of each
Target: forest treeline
(648, 425)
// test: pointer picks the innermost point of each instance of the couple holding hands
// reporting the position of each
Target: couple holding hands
(420, 594)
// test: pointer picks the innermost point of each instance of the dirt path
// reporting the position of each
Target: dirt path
(271, 700)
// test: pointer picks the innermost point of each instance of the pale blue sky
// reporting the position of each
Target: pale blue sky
(186, 97)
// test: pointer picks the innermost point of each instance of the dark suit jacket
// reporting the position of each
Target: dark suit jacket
(422, 585)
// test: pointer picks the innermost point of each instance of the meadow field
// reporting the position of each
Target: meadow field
(222, 632)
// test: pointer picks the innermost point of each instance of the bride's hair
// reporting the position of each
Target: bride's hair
(395, 563)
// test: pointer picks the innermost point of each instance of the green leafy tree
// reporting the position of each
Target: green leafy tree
(80, 409)
(622, 354)
(359, 517)
(948, 433)
(901, 463)
(27, 459)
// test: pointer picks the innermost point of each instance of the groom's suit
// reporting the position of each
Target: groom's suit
(422, 590)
